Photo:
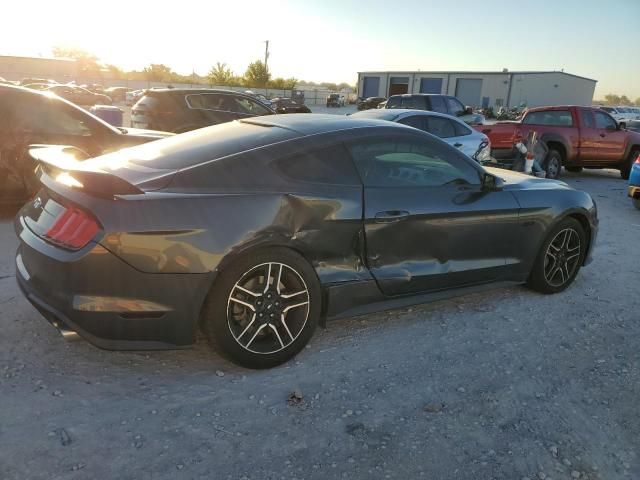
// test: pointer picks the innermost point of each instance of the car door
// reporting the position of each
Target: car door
(428, 222)
(589, 136)
(611, 143)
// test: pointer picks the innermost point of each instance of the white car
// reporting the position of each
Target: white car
(450, 129)
(621, 114)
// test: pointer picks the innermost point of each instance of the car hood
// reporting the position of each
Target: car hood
(521, 181)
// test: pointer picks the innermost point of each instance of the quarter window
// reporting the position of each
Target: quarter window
(461, 129)
(438, 104)
(441, 127)
(604, 121)
(455, 107)
(409, 162)
(330, 165)
(555, 118)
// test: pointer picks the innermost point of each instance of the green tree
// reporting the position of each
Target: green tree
(114, 71)
(624, 100)
(86, 62)
(612, 99)
(220, 74)
(290, 83)
(637, 102)
(257, 75)
(157, 72)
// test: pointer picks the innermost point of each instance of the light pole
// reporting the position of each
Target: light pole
(266, 59)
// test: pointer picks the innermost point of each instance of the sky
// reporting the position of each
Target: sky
(331, 41)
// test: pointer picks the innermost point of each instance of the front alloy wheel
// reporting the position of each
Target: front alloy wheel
(560, 257)
(263, 308)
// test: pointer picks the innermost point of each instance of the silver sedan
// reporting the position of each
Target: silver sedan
(453, 131)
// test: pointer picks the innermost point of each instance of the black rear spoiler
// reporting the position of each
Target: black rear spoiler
(63, 164)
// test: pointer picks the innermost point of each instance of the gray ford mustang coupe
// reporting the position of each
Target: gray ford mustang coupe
(258, 230)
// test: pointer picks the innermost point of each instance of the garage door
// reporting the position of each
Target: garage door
(398, 85)
(371, 87)
(431, 85)
(468, 91)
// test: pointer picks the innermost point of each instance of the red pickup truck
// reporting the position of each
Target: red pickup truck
(577, 137)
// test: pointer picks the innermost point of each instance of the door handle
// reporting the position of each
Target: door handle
(457, 145)
(391, 216)
(603, 135)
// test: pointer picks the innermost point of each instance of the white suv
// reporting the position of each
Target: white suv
(622, 114)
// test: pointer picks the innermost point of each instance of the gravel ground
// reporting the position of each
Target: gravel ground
(508, 384)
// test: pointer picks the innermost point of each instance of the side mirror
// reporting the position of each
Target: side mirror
(491, 183)
(468, 110)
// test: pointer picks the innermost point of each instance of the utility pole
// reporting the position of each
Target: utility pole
(266, 59)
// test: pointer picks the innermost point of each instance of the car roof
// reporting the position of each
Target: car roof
(186, 91)
(394, 113)
(314, 123)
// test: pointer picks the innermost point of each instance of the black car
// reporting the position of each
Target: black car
(335, 100)
(370, 102)
(259, 230)
(33, 117)
(435, 103)
(79, 95)
(287, 105)
(181, 110)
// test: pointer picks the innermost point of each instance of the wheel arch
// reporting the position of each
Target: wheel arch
(265, 244)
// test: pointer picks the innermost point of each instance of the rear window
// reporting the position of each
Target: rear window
(414, 103)
(438, 104)
(393, 102)
(205, 144)
(555, 118)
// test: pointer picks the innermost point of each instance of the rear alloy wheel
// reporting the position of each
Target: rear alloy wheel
(553, 164)
(560, 258)
(263, 309)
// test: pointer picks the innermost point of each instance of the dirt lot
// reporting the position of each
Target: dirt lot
(502, 385)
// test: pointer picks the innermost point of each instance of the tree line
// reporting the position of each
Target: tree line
(612, 99)
(257, 75)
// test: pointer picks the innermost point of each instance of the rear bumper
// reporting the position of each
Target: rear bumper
(634, 191)
(106, 301)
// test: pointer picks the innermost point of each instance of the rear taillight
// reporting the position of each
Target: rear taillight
(638, 159)
(72, 229)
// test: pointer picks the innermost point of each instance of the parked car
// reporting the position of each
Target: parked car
(117, 94)
(436, 103)
(93, 87)
(450, 129)
(622, 115)
(132, 97)
(577, 137)
(255, 230)
(335, 100)
(38, 86)
(181, 110)
(369, 102)
(287, 105)
(79, 95)
(633, 125)
(634, 183)
(29, 80)
(259, 96)
(34, 117)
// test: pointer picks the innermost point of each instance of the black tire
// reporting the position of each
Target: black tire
(625, 168)
(553, 164)
(573, 169)
(548, 277)
(230, 316)
(636, 203)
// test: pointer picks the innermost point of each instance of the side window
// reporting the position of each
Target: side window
(207, 101)
(401, 161)
(43, 116)
(604, 121)
(245, 106)
(554, 118)
(329, 165)
(586, 118)
(414, 102)
(415, 121)
(461, 129)
(438, 104)
(455, 107)
(441, 127)
(394, 102)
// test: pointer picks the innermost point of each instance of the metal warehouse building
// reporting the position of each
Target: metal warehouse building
(484, 89)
